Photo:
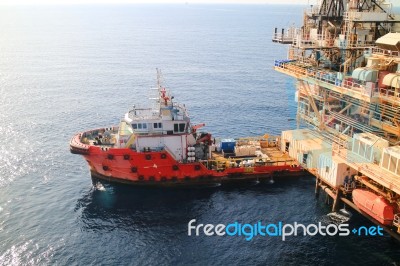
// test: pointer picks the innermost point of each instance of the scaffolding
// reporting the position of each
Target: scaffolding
(346, 59)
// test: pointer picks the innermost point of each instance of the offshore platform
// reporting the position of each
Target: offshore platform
(346, 62)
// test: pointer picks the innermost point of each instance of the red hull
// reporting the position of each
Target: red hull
(160, 168)
(374, 205)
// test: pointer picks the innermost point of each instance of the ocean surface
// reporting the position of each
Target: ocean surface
(64, 69)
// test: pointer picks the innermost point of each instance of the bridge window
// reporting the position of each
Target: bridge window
(157, 125)
(179, 128)
(139, 126)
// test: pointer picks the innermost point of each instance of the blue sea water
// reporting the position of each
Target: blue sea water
(64, 69)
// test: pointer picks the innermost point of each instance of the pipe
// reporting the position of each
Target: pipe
(328, 191)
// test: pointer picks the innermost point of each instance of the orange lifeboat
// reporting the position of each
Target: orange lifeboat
(374, 205)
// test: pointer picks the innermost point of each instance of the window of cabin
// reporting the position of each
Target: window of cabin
(179, 127)
(157, 125)
(139, 126)
(134, 126)
(182, 127)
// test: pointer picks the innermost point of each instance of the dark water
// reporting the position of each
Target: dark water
(66, 69)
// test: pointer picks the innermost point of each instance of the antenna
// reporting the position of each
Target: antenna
(158, 78)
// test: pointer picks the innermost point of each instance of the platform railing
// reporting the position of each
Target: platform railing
(385, 52)
(363, 167)
(324, 76)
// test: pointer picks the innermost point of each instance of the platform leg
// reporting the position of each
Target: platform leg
(327, 199)
(336, 201)
(316, 188)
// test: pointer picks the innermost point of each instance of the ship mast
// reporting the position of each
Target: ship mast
(158, 78)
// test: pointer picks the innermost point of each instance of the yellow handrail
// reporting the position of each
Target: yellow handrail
(132, 138)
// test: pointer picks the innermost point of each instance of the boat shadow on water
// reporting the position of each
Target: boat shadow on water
(106, 206)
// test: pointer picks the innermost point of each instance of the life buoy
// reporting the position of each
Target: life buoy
(163, 156)
(127, 156)
(148, 157)
(133, 169)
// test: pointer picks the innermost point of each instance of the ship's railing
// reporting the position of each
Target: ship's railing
(142, 113)
(250, 162)
(107, 136)
(182, 108)
(263, 141)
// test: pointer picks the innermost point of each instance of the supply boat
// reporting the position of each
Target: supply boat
(160, 147)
